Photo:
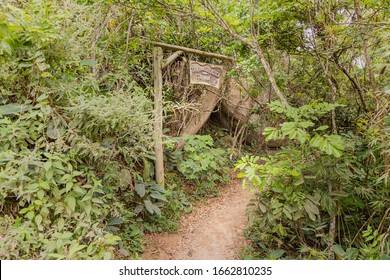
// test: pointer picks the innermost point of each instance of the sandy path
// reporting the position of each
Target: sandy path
(214, 231)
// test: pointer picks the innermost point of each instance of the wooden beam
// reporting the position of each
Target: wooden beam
(158, 118)
(193, 51)
(171, 58)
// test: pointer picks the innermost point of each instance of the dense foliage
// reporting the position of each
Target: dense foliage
(76, 125)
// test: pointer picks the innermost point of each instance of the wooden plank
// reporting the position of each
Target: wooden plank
(158, 110)
(171, 58)
(193, 51)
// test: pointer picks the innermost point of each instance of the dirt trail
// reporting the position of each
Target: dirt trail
(213, 231)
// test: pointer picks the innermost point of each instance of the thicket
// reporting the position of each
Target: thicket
(76, 134)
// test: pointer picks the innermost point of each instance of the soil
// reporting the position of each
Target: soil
(213, 231)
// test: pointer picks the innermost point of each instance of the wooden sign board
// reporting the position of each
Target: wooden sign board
(206, 74)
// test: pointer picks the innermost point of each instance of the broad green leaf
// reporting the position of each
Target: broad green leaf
(158, 196)
(30, 215)
(339, 251)
(135, 232)
(88, 62)
(115, 221)
(321, 128)
(68, 186)
(124, 252)
(24, 210)
(287, 213)
(97, 200)
(5, 47)
(138, 209)
(156, 210)
(12, 109)
(311, 209)
(25, 65)
(38, 219)
(38, 202)
(60, 224)
(56, 256)
(40, 194)
(49, 174)
(305, 124)
(276, 254)
(54, 129)
(140, 189)
(352, 253)
(107, 256)
(149, 206)
(42, 66)
(157, 188)
(47, 165)
(75, 247)
(71, 202)
(262, 207)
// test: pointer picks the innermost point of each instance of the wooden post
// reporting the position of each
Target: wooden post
(158, 110)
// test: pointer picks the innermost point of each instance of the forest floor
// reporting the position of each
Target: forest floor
(213, 231)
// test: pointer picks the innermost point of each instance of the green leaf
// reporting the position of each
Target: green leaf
(157, 188)
(53, 129)
(321, 128)
(339, 251)
(97, 200)
(158, 196)
(262, 207)
(12, 109)
(107, 256)
(149, 206)
(156, 210)
(40, 194)
(38, 202)
(49, 174)
(115, 221)
(25, 65)
(272, 133)
(68, 186)
(306, 124)
(287, 213)
(138, 209)
(38, 219)
(47, 165)
(56, 256)
(60, 224)
(75, 247)
(311, 209)
(42, 66)
(71, 202)
(276, 254)
(140, 189)
(352, 253)
(88, 62)
(24, 210)
(124, 252)
(30, 215)
(330, 144)
(6, 47)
